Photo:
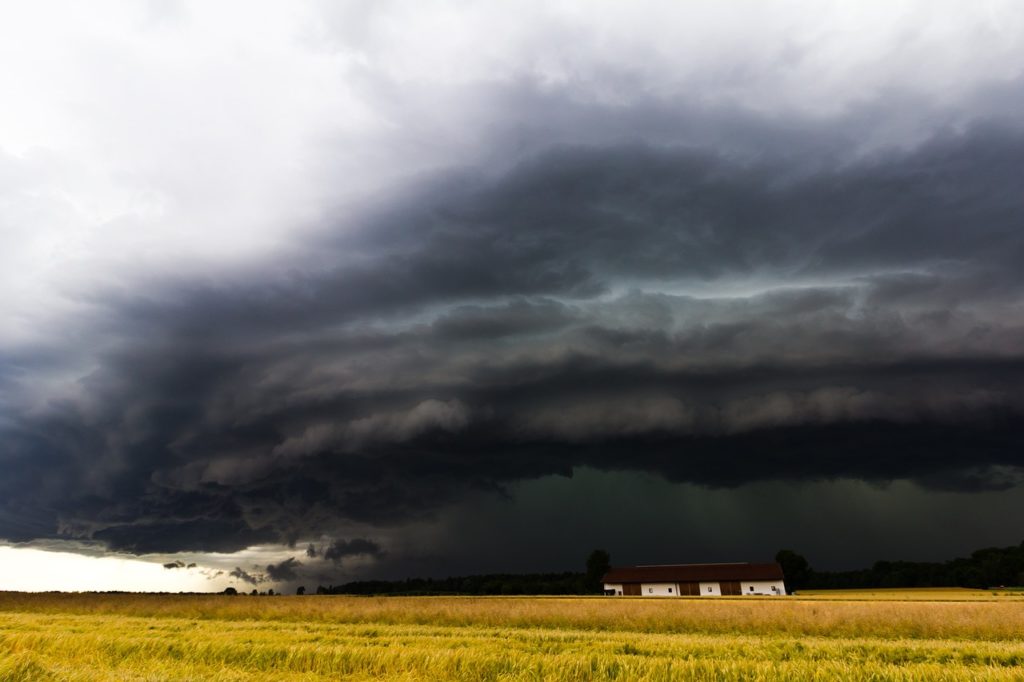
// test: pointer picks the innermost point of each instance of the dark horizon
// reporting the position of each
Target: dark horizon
(984, 568)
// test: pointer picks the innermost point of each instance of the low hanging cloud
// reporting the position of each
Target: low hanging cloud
(284, 571)
(341, 549)
(178, 564)
(393, 427)
(245, 576)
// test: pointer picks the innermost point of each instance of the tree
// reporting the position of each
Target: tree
(300, 590)
(795, 569)
(230, 590)
(598, 564)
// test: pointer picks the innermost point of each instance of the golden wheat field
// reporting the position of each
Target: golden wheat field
(949, 635)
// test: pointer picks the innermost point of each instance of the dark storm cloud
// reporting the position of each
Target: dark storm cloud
(283, 571)
(246, 576)
(339, 549)
(706, 317)
(178, 564)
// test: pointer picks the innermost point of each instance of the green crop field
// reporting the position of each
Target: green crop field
(927, 635)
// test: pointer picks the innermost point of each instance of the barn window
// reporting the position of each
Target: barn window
(650, 590)
(670, 590)
(751, 588)
(709, 588)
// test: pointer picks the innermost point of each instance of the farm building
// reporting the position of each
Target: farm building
(692, 580)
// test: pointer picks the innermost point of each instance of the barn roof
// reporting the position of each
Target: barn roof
(672, 573)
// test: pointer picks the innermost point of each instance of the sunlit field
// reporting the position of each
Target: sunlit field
(963, 634)
(917, 594)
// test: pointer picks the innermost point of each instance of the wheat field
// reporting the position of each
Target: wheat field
(973, 635)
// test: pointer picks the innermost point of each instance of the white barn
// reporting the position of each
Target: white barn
(693, 580)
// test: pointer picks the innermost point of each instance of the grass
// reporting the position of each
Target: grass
(190, 637)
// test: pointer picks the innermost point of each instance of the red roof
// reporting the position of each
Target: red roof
(682, 573)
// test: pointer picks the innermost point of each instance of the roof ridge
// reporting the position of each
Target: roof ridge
(695, 572)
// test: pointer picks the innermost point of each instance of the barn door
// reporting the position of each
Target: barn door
(731, 588)
(689, 589)
(631, 589)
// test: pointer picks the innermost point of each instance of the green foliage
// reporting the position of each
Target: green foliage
(598, 564)
(985, 568)
(794, 567)
(489, 584)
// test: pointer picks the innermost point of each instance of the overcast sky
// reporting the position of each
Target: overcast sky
(305, 292)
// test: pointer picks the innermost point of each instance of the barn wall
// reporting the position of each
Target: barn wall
(659, 590)
(707, 589)
(710, 590)
(763, 587)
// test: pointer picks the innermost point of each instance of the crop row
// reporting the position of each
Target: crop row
(992, 620)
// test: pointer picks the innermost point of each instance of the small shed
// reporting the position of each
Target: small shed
(695, 580)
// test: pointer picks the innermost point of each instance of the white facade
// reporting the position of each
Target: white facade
(768, 587)
(710, 590)
(707, 589)
(659, 589)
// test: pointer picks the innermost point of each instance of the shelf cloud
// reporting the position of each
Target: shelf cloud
(374, 280)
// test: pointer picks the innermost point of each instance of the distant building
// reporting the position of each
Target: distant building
(695, 580)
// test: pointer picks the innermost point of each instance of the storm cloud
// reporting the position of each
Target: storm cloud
(339, 549)
(568, 313)
(709, 293)
(178, 564)
(284, 571)
(245, 576)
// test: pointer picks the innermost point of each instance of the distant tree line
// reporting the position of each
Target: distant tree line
(569, 582)
(990, 567)
(496, 583)
(255, 593)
